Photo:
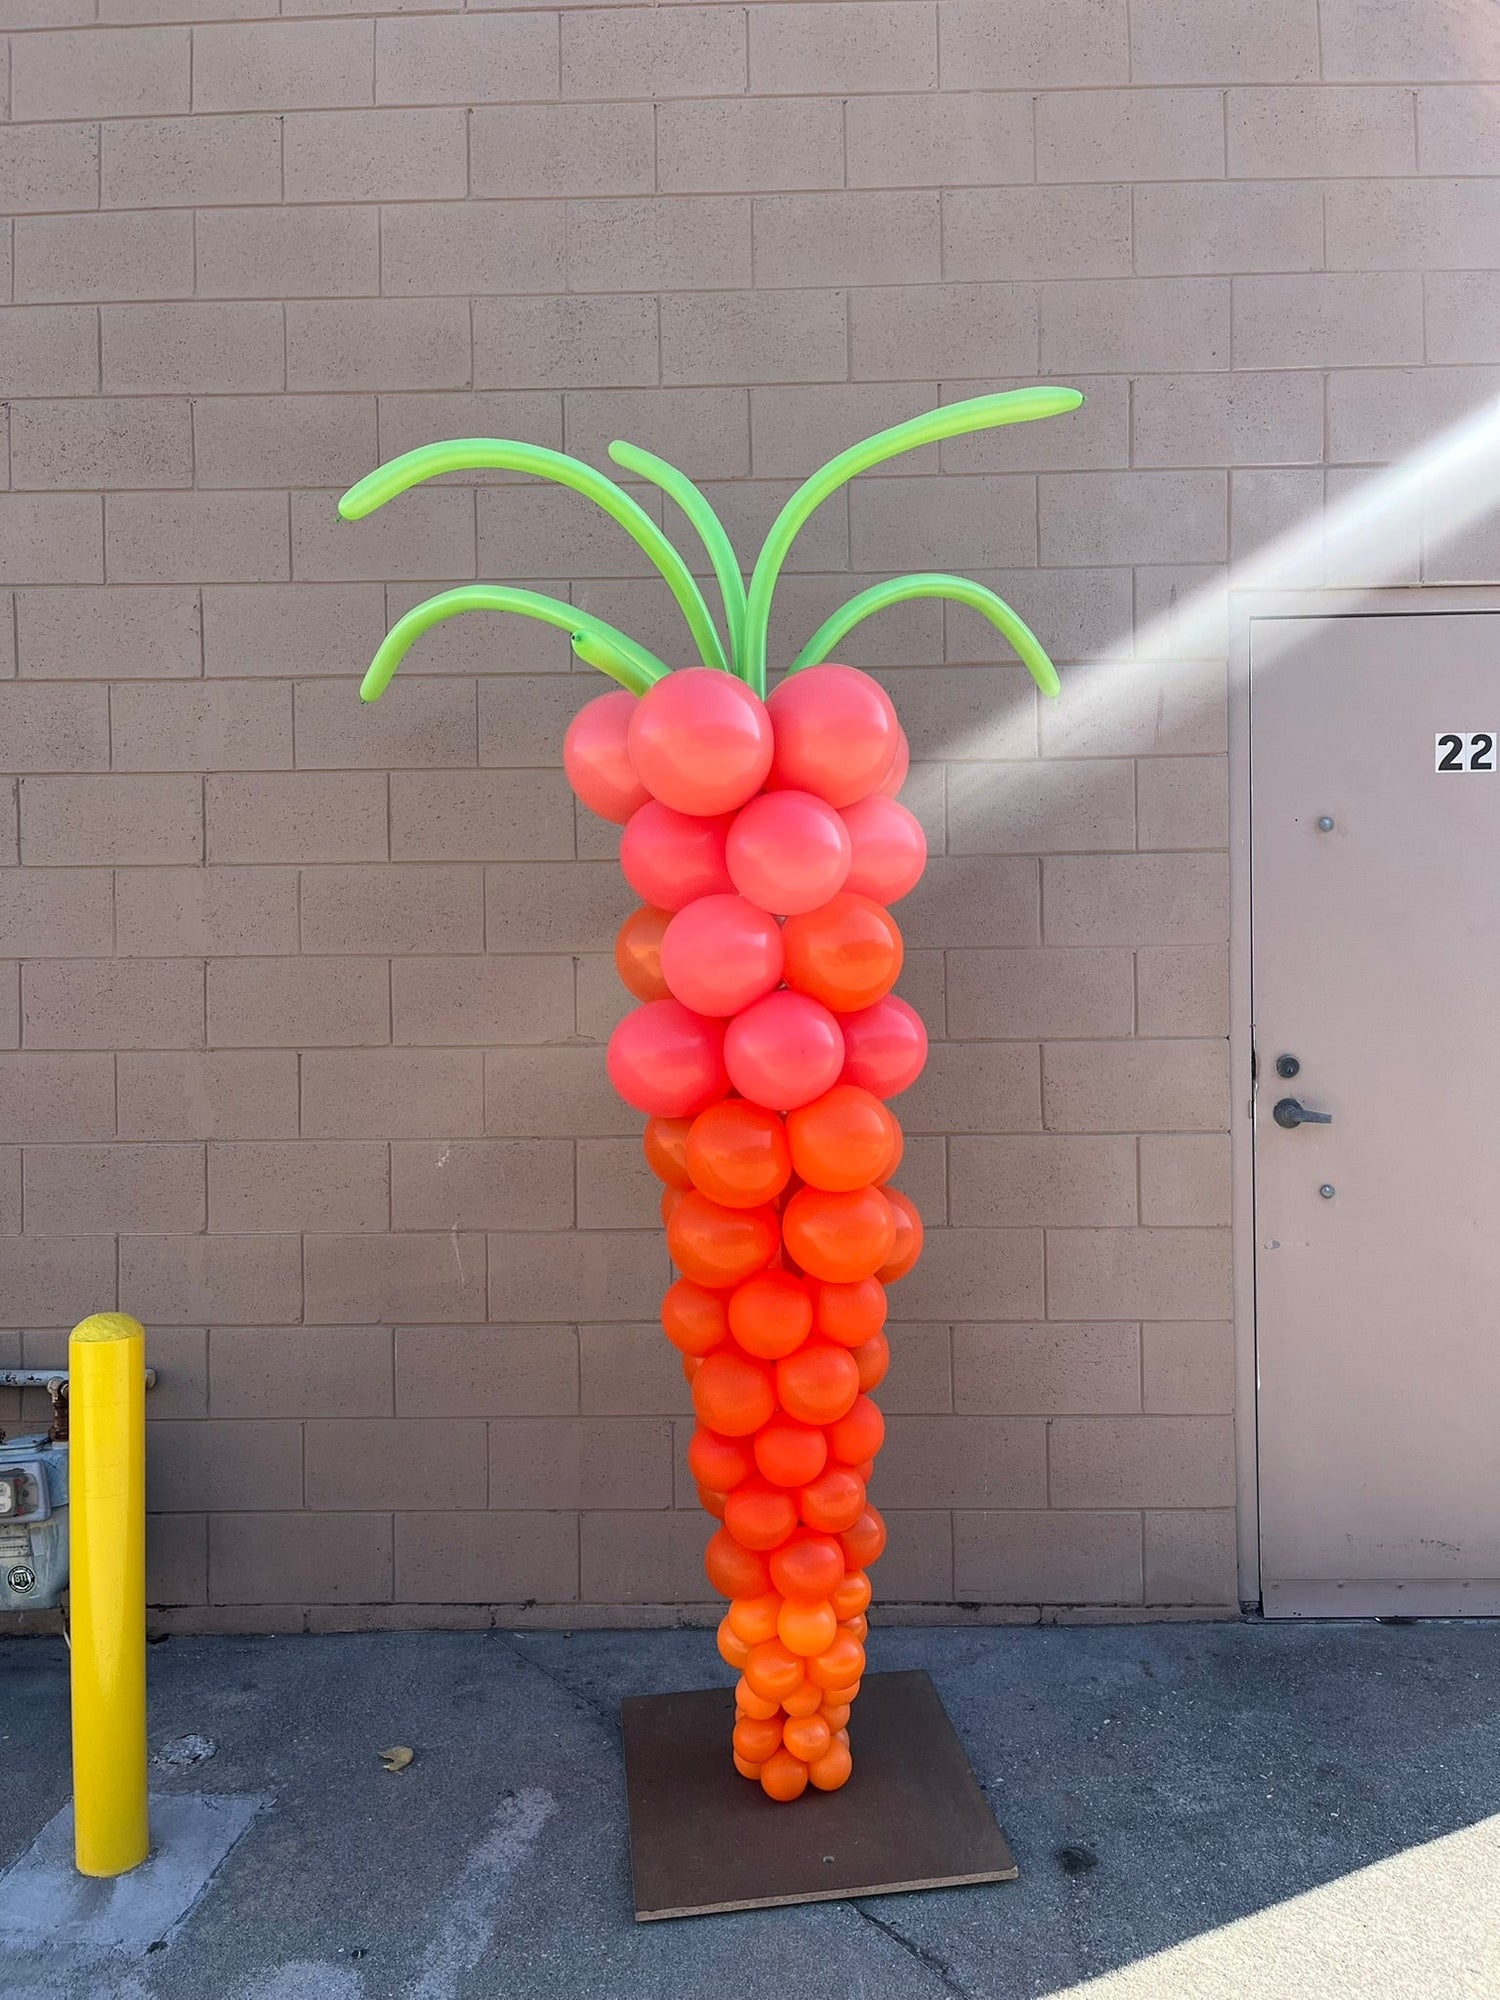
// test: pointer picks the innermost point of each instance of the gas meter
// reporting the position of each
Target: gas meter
(34, 1499)
(33, 1522)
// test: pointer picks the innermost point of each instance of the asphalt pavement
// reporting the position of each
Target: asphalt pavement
(1301, 1812)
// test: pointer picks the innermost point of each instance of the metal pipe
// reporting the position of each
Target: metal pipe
(44, 1378)
(107, 1551)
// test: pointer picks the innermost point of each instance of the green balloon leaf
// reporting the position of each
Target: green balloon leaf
(961, 590)
(978, 413)
(596, 643)
(706, 524)
(429, 461)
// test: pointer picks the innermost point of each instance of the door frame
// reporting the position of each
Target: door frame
(1245, 607)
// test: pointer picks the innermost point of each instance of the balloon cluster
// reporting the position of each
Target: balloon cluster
(765, 842)
(764, 839)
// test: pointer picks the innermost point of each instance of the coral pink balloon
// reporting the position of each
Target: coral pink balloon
(788, 852)
(784, 1051)
(896, 776)
(836, 733)
(596, 757)
(720, 953)
(886, 1046)
(671, 858)
(668, 1061)
(701, 741)
(889, 849)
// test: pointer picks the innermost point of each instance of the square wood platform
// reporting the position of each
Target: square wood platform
(703, 1839)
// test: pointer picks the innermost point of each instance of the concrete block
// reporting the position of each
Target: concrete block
(306, 1002)
(89, 821)
(540, 149)
(203, 912)
(1007, 45)
(565, 343)
(756, 145)
(1024, 232)
(206, 348)
(882, 45)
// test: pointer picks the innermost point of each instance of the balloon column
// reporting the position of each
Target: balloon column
(765, 841)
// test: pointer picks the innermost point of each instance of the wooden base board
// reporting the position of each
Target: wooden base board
(703, 1839)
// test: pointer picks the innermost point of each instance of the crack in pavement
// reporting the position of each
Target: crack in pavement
(929, 1960)
(606, 1715)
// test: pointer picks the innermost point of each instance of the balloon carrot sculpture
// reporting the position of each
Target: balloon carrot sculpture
(765, 841)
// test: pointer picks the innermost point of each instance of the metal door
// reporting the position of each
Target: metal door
(1375, 885)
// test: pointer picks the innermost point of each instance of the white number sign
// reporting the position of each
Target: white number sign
(1466, 749)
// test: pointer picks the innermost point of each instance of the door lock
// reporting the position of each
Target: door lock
(1290, 1114)
(1287, 1066)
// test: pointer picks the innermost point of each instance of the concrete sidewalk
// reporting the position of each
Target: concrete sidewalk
(1198, 1810)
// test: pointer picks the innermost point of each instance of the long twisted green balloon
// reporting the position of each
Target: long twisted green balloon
(597, 644)
(962, 590)
(510, 455)
(709, 528)
(978, 413)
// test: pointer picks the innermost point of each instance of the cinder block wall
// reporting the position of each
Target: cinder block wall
(307, 1002)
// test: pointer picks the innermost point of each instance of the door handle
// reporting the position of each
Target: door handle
(1291, 1114)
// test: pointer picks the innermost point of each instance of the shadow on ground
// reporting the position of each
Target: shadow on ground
(1156, 1782)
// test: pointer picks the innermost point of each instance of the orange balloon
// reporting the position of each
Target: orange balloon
(667, 1206)
(873, 1359)
(849, 1314)
(783, 1777)
(755, 1740)
(720, 1463)
(721, 1246)
(807, 1737)
(664, 1143)
(850, 1599)
(733, 1394)
(859, 1627)
(805, 1629)
(753, 1619)
(833, 1502)
(733, 1650)
(840, 1237)
(745, 1768)
(770, 1314)
(788, 1452)
(710, 1501)
(638, 952)
(805, 1700)
(843, 1696)
(834, 1713)
(846, 953)
(691, 1363)
(809, 1566)
(734, 1571)
(864, 1543)
(856, 1436)
(760, 1516)
(841, 1665)
(694, 1319)
(908, 1245)
(737, 1154)
(818, 1383)
(756, 1706)
(843, 1140)
(832, 1769)
(773, 1671)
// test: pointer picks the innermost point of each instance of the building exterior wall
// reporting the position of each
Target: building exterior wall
(305, 1004)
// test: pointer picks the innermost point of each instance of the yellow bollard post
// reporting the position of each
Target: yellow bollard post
(107, 1552)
